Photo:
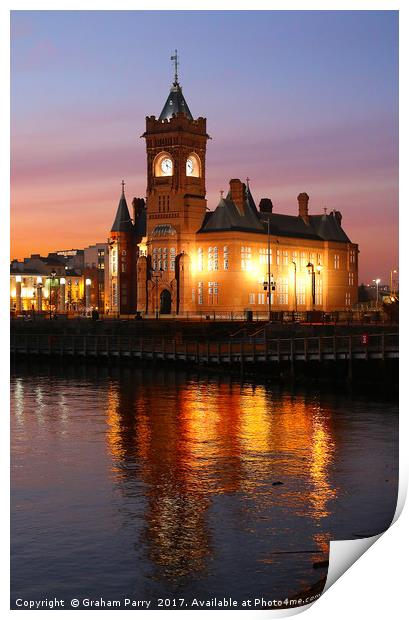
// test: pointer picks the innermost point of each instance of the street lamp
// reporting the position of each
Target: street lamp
(312, 271)
(377, 281)
(392, 288)
(51, 278)
(268, 286)
(295, 285)
(157, 275)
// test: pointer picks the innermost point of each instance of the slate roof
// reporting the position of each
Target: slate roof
(175, 103)
(122, 222)
(226, 216)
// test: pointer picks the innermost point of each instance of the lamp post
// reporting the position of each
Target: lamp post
(312, 271)
(39, 287)
(51, 278)
(62, 295)
(87, 294)
(377, 281)
(156, 276)
(295, 285)
(392, 288)
(269, 286)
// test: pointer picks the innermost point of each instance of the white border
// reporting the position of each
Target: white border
(376, 585)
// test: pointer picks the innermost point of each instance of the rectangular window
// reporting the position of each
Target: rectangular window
(260, 299)
(200, 293)
(347, 299)
(225, 258)
(301, 292)
(215, 259)
(172, 259)
(245, 258)
(336, 261)
(303, 260)
(352, 256)
(213, 293)
(155, 259)
(351, 278)
(282, 291)
(319, 258)
(318, 291)
(278, 257)
(165, 259)
(285, 257)
(311, 258)
(200, 259)
(252, 298)
(294, 257)
(263, 256)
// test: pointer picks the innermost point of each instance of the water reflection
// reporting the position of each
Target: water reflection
(196, 440)
(188, 484)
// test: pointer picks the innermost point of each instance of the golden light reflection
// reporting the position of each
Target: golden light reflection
(189, 443)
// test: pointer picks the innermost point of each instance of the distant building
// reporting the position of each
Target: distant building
(176, 256)
(95, 271)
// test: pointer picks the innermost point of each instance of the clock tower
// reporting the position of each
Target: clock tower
(176, 203)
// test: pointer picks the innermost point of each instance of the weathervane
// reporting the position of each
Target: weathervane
(175, 59)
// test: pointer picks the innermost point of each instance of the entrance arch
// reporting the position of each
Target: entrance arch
(165, 302)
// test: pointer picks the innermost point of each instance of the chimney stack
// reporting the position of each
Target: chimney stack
(138, 205)
(303, 199)
(238, 194)
(265, 206)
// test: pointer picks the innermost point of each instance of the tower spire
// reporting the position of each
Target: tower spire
(174, 58)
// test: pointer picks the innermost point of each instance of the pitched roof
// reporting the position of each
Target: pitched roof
(175, 104)
(227, 216)
(122, 222)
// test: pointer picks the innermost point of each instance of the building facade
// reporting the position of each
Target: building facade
(226, 260)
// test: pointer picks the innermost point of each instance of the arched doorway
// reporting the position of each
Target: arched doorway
(165, 302)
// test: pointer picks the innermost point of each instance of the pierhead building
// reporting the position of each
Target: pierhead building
(177, 256)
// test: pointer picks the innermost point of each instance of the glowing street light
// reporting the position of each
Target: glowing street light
(377, 281)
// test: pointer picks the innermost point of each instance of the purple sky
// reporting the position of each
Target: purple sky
(297, 101)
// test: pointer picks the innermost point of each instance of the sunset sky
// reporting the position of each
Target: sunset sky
(297, 101)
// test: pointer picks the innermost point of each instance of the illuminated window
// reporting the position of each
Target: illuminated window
(278, 257)
(347, 299)
(212, 259)
(294, 257)
(200, 293)
(282, 291)
(319, 259)
(165, 259)
(318, 291)
(200, 259)
(351, 278)
(245, 258)
(260, 298)
(252, 298)
(303, 259)
(336, 261)
(301, 292)
(352, 256)
(225, 258)
(213, 293)
(263, 256)
(172, 259)
(285, 257)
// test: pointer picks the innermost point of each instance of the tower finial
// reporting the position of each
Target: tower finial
(248, 181)
(221, 193)
(123, 187)
(175, 60)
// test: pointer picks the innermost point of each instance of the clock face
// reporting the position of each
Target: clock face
(166, 166)
(189, 167)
